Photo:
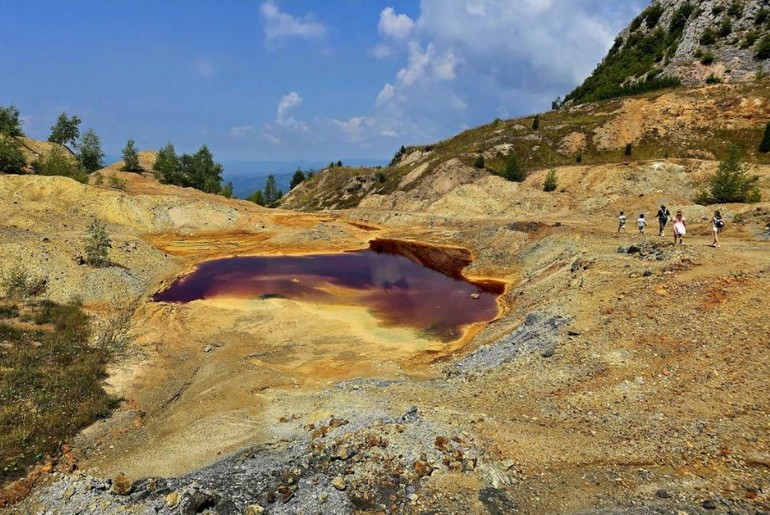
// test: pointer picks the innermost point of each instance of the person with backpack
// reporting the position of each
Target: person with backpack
(680, 226)
(663, 215)
(717, 226)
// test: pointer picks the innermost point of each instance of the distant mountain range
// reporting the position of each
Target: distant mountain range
(248, 176)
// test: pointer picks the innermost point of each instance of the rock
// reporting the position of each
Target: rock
(121, 485)
(196, 501)
(208, 348)
(339, 483)
(622, 250)
(172, 499)
(254, 509)
(634, 249)
(662, 494)
(69, 492)
(475, 296)
(709, 504)
(574, 332)
(413, 498)
(422, 468)
(548, 353)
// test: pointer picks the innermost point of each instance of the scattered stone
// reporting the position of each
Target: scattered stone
(662, 494)
(413, 498)
(339, 483)
(422, 468)
(338, 422)
(121, 485)
(207, 348)
(709, 504)
(574, 332)
(254, 509)
(475, 296)
(634, 249)
(172, 499)
(648, 273)
(548, 353)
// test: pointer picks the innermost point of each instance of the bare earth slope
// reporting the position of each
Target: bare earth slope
(611, 382)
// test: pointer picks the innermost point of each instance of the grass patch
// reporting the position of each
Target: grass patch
(50, 386)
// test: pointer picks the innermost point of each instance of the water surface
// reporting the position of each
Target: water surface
(396, 290)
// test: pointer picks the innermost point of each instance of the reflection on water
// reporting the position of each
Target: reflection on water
(397, 291)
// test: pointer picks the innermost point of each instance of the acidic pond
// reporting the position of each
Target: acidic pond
(395, 289)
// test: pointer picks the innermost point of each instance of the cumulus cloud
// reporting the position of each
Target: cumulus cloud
(396, 26)
(386, 95)
(284, 122)
(286, 104)
(355, 129)
(278, 24)
(381, 51)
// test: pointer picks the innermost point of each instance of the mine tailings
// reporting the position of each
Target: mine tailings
(402, 283)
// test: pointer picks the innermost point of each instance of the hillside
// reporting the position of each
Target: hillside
(697, 123)
(685, 42)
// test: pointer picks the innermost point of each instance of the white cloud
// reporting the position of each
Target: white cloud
(396, 26)
(272, 139)
(386, 95)
(279, 24)
(242, 131)
(381, 51)
(286, 104)
(355, 128)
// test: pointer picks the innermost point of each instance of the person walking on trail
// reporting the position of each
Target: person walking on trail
(621, 222)
(641, 223)
(663, 215)
(717, 224)
(680, 226)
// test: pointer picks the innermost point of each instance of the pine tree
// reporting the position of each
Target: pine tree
(12, 159)
(65, 131)
(131, 158)
(513, 170)
(732, 182)
(551, 181)
(167, 165)
(297, 179)
(10, 123)
(200, 171)
(257, 198)
(764, 147)
(90, 152)
(97, 244)
(227, 190)
(271, 193)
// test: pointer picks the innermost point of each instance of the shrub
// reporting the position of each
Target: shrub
(297, 179)
(97, 244)
(709, 37)
(731, 183)
(227, 190)
(10, 123)
(763, 48)
(536, 122)
(749, 40)
(257, 198)
(762, 16)
(479, 163)
(18, 283)
(736, 9)
(131, 158)
(654, 13)
(98, 179)
(629, 150)
(713, 79)
(680, 18)
(579, 158)
(396, 157)
(116, 182)
(707, 58)
(551, 181)
(113, 335)
(513, 170)
(764, 146)
(12, 159)
(725, 28)
(58, 162)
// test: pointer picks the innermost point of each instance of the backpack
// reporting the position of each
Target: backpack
(720, 223)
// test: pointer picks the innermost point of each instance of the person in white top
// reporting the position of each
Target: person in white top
(641, 223)
(621, 222)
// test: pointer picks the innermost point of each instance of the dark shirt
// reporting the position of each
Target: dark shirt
(663, 216)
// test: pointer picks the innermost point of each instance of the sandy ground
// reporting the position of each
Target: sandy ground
(659, 381)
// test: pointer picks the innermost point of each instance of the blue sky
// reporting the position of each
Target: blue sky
(295, 79)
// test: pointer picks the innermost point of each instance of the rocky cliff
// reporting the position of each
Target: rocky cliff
(684, 42)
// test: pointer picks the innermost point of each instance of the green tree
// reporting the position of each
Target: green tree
(551, 181)
(536, 122)
(90, 152)
(629, 150)
(10, 123)
(167, 165)
(763, 48)
(764, 147)
(65, 131)
(731, 183)
(97, 244)
(271, 193)
(479, 163)
(12, 159)
(200, 171)
(297, 179)
(131, 158)
(58, 162)
(513, 170)
(257, 198)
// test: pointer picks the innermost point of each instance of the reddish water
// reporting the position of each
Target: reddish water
(397, 291)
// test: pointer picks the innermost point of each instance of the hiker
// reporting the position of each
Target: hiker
(663, 215)
(621, 222)
(641, 223)
(680, 226)
(718, 224)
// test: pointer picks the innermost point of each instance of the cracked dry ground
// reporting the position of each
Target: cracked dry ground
(652, 398)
